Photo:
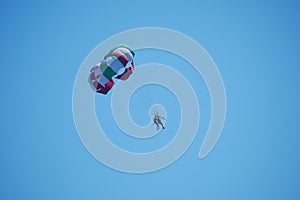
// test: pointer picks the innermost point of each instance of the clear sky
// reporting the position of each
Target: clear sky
(255, 45)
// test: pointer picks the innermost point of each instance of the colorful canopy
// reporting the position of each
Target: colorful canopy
(114, 63)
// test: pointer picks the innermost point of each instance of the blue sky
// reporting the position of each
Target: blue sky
(255, 45)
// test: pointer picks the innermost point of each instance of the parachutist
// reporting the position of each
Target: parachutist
(157, 121)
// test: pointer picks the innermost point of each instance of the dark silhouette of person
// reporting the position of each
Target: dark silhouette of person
(157, 121)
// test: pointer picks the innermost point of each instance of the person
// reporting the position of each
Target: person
(157, 121)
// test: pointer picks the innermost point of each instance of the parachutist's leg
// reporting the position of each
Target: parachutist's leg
(157, 126)
(162, 125)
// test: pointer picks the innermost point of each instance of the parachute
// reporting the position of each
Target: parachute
(116, 60)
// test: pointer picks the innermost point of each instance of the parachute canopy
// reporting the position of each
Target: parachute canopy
(114, 65)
